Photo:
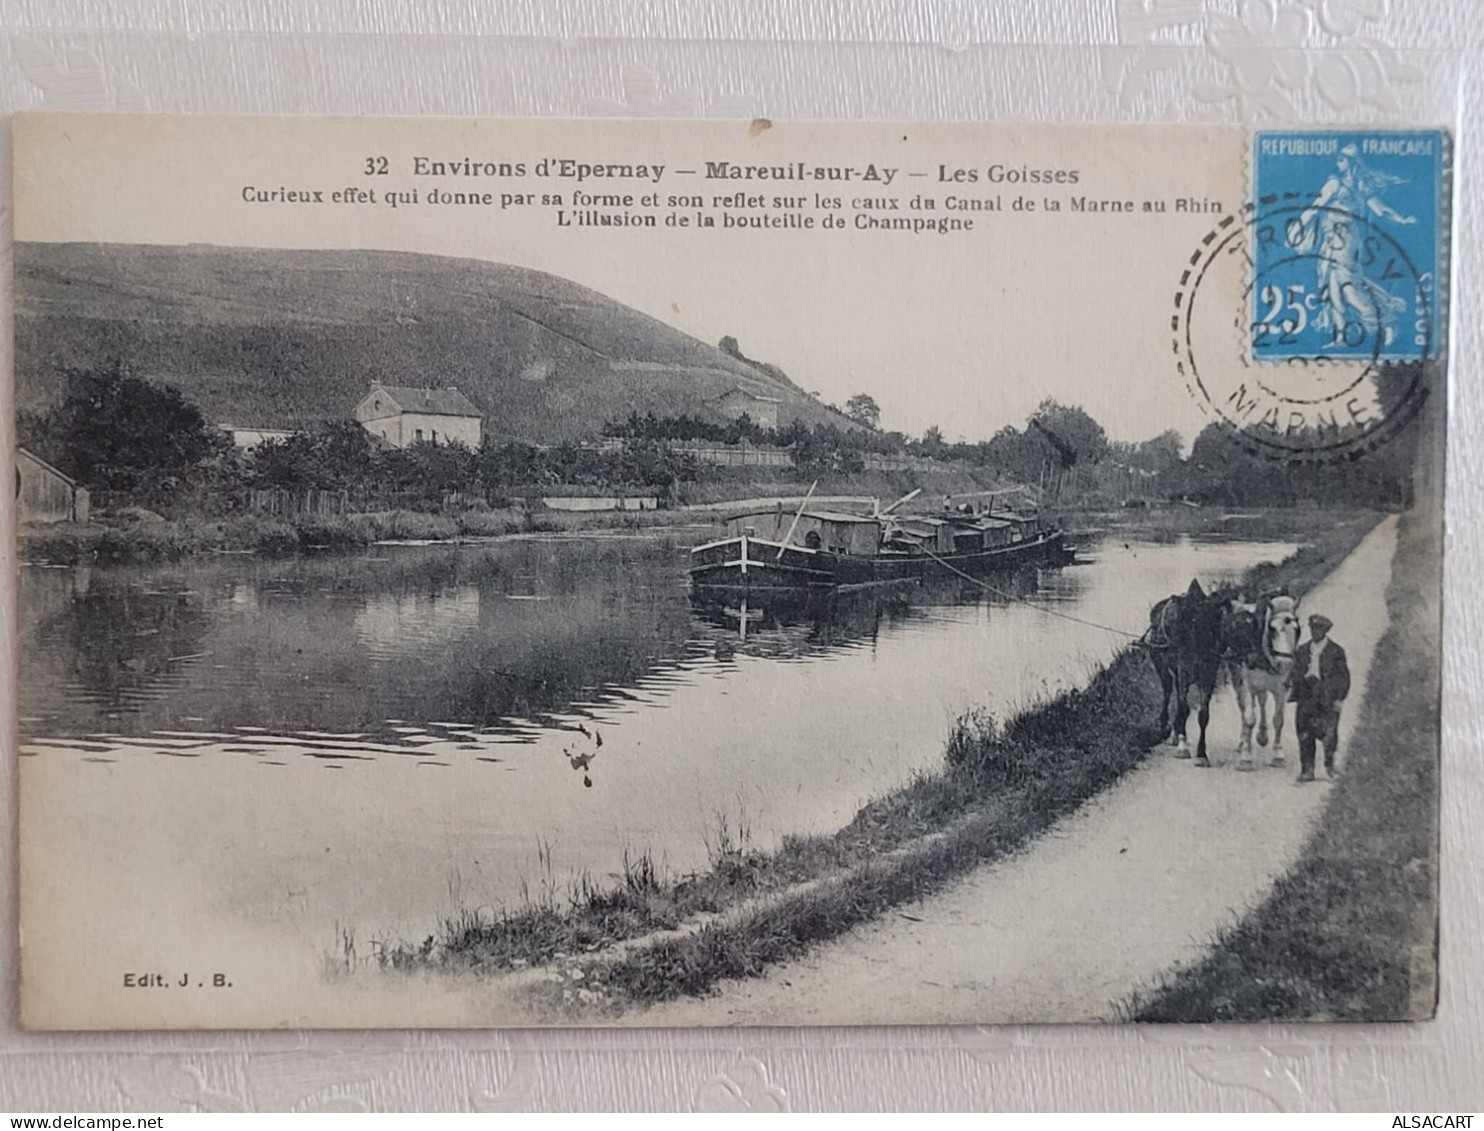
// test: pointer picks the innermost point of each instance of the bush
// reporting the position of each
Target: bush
(150, 542)
(402, 525)
(256, 532)
(335, 533)
(137, 515)
(487, 523)
(119, 433)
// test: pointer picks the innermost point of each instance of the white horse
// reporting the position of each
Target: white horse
(1261, 670)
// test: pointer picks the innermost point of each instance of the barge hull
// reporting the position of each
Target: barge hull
(749, 563)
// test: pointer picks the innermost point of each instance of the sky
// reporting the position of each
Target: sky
(968, 331)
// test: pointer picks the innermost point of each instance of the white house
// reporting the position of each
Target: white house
(404, 416)
(737, 402)
(249, 438)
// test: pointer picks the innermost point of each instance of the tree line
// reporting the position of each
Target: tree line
(151, 445)
(148, 443)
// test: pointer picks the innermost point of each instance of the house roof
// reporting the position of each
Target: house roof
(821, 515)
(434, 402)
(36, 459)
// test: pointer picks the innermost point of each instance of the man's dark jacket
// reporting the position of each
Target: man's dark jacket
(1333, 683)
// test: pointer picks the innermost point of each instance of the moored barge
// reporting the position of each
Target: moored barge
(820, 549)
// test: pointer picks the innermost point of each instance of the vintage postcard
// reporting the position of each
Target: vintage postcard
(484, 573)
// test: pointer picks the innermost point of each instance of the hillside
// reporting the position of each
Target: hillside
(276, 339)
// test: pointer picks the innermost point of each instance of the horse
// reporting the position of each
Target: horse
(1187, 638)
(1262, 639)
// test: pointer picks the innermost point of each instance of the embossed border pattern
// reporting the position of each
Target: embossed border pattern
(1257, 61)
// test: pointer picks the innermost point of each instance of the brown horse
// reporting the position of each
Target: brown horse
(1187, 638)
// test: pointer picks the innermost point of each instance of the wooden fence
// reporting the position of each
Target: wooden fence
(751, 455)
(281, 503)
(733, 455)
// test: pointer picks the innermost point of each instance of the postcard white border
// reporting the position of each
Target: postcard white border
(1136, 61)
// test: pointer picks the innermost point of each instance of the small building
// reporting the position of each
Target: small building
(44, 494)
(573, 497)
(249, 438)
(835, 531)
(402, 416)
(586, 503)
(737, 402)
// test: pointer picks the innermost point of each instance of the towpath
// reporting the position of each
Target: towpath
(1109, 901)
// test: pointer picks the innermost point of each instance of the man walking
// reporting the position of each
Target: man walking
(1320, 680)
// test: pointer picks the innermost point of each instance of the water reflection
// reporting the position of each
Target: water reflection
(409, 646)
(123, 644)
(420, 635)
(795, 624)
(376, 726)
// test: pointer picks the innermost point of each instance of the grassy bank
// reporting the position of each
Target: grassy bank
(135, 536)
(999, 786)
(1349, 934)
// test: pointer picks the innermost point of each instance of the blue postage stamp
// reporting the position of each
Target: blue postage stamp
(1346, 244)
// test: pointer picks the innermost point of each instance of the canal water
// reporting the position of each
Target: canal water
(368, 743)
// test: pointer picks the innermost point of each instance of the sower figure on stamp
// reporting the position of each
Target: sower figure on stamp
(1320, 680)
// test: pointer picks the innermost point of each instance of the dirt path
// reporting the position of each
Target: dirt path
(1107, 902)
